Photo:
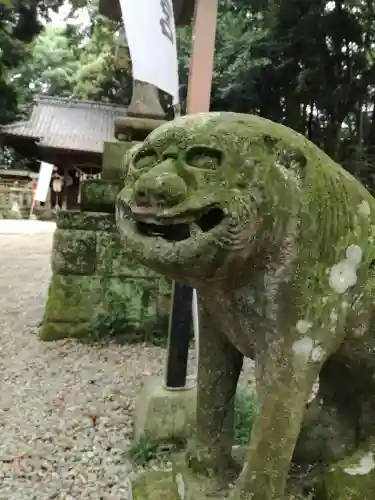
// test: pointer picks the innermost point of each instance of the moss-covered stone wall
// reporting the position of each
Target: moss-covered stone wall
(96, 291)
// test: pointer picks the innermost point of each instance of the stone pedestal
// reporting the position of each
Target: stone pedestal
(178, 484)
(164, 415)
(97, 292)
(349, 479)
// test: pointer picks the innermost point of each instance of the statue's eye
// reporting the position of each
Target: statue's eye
(204, 157)
(145, 159)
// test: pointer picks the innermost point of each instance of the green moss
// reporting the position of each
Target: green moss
(52, 330)
(155, 485)
(88, 221)
(114, 260)
(113, 168)
(103, 308)
(72, 299)
(352, 478)
(95, 293)
(123, 310)
(99, 195)
(178, 484)
(74, 252)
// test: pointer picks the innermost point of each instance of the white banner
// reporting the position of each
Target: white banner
(45, 174)
(151, 34)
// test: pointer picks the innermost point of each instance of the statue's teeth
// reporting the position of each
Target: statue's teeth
(195, 229)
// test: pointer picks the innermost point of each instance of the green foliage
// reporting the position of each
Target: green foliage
(17, 28)
(146, 449)
(74, 61)
(129, 316)
(52, 68)
(97, 77)
(244, 416)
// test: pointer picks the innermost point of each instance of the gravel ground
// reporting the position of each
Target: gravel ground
(52, 392)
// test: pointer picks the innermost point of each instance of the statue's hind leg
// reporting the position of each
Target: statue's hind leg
(342, 416)
(331, 423)
(356, 472)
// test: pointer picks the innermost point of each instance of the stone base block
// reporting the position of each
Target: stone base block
(99, 308)
(350, 479)
(99, 195)
(179, 483)
(112, 166)
(165, 415)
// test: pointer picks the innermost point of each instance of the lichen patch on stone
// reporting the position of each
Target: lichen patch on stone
(303, 326)
(314, 390)
(303, 347)
(364, 208)
(342, 276)
(354, 254)
(317, 354)
(366, 465)
(306, 348)
(180, 485)
(284, 172)
(333, 316)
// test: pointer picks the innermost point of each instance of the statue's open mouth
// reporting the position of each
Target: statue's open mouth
(176, 228)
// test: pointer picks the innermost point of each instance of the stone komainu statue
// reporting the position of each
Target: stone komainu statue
(279, 241)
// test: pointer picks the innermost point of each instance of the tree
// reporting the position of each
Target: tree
(51, 67)
(74, 61)
(306, 63)
(98, 78)
(17, 28)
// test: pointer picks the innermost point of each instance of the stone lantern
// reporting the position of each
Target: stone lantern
(145, 111)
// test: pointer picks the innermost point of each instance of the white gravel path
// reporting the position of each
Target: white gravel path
(49, 447)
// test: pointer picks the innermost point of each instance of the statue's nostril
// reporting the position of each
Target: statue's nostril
(160, 191)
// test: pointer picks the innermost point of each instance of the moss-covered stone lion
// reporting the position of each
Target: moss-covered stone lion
(279, 242)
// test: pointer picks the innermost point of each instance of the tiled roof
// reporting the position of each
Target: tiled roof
(61, 123)
(4, 172)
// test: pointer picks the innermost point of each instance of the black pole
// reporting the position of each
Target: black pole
(180, 320)
(180, 326)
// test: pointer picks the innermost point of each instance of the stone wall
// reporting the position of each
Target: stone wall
(96, 291)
